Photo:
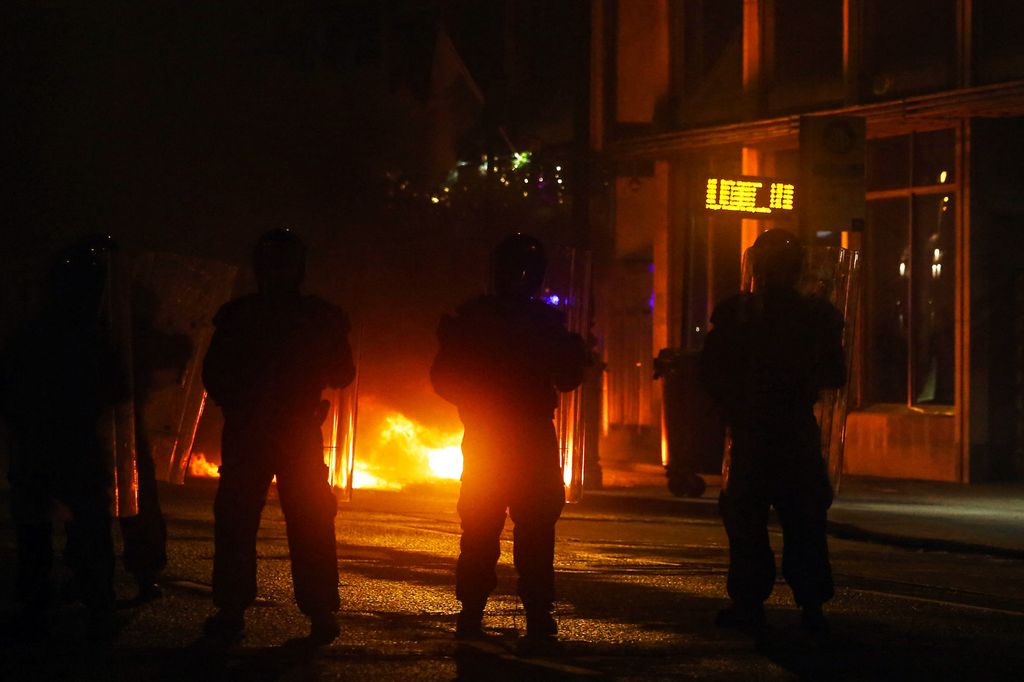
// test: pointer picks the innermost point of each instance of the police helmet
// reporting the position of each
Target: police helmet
(519, 265)
(279, 261)
(777, 258)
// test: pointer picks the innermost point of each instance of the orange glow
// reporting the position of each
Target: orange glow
(200, 467)
(363, 479)
(440, 451)
(393, 451)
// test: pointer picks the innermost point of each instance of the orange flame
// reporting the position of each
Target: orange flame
(200, 467)
(404, 452)
(440, 451)
(364, 479)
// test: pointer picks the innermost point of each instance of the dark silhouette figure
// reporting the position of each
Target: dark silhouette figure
(767, 357)
(502, 358)
(271, 355)
(60, 377)
(158, 358)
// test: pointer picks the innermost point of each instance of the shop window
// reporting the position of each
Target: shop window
(909, 46)
(933, 304)
(629, 346)
(933, 159)
(998, 51)
(911, 271)
(888, 163)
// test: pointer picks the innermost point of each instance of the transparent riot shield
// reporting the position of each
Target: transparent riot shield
(831, 273)
(182, 294)
(567, 287)
(119, 423)
(339, 434)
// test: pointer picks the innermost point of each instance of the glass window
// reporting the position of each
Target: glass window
(888, 163)
(697, 285)
(910, 290)
(629, 346)
(934, 157)
(909, 46)
(887, 322)
(933, 294)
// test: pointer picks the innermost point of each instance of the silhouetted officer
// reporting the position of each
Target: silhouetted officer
(271, 355)
(502, 358)
(767, 357)
(60, 377)
(158, 358)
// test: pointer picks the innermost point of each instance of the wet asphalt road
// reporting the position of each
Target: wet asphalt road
(638, 591)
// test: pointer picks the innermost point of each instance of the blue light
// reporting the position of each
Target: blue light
(553, 299)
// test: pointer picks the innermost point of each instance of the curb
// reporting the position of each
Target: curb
(849, 531)
(707, 508)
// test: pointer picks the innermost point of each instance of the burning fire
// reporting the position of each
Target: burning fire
(200, 467)
(441, 451)
(363, 479)
(404, 451)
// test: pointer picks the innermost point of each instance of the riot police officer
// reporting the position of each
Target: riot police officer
(767, 357)
(272, 354)
(60, 377)
(502, 358)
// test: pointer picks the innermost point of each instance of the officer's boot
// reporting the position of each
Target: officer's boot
(224, 628)
(148, 590)
(469, 624)
(812, 620)
(541, 632)
(323, 627)
(540, 624)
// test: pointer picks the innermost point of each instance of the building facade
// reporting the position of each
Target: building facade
(685, 90)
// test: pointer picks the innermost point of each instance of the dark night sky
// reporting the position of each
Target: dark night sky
(194, 126)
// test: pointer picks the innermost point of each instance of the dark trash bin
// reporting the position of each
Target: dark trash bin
(692, 430)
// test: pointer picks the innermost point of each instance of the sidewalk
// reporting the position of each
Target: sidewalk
(977, 519)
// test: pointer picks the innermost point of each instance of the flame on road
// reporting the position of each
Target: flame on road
(441, 451)
(363, 479)
(200, 467)
(394, 451)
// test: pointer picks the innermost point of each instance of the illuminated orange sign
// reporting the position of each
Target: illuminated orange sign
(750, 197)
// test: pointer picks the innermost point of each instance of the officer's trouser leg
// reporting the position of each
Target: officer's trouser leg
(30, 511)
(482, 511)
(534, 512)
(805, 563)
(751, 562)
(145, 534)
(241, 494)
(90, 546)
(309, 508)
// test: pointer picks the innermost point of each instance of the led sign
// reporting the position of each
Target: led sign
(750, 197)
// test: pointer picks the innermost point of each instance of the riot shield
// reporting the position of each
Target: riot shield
(118, 427)
(339, 434)
(567, 287)
(187, 293)
(833, 274)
